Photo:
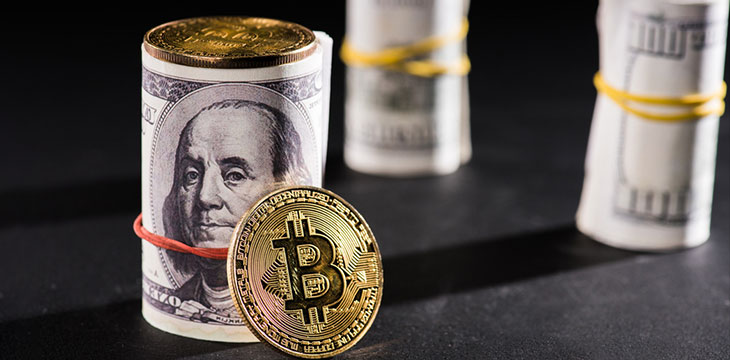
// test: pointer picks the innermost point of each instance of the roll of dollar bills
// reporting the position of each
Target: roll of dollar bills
(407, 105)
(650, 163)
(232, 108)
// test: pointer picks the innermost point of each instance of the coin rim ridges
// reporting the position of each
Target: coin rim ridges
(227, 62)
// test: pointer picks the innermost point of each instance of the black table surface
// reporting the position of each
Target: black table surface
(483, 263)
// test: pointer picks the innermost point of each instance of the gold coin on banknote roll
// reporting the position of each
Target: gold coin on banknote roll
(232, 109)
(305, 272)
(230, 42)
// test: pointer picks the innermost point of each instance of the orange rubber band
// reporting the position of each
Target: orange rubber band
(174, 245)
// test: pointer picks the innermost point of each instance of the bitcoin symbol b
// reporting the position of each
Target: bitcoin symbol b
(314, 282)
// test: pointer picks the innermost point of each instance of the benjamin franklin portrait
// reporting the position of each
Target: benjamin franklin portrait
(229, 154)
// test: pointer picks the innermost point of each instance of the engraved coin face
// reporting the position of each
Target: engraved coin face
(230, 42)
(305, 271)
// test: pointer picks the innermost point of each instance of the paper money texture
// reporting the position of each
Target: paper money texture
(213, 142)
(398, 124)
(648, 184)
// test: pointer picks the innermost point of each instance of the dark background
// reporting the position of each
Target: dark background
(483, 263)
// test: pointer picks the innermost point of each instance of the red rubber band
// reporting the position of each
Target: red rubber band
(174, 245)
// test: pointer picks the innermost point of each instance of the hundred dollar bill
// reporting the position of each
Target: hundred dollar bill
(648, 184)
(232, 108)
(396, 123)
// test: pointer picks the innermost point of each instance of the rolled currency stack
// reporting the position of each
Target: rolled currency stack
(406, 115)
(232, 108)
(650, 163)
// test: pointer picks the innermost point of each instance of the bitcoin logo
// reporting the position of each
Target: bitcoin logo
(305, 272)
(314, 281)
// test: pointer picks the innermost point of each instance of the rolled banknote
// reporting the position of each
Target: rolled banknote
(650, 163)
(407, 105)
(232, 108)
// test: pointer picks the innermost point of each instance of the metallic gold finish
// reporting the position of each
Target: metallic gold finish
(230, 42)
(305, 272)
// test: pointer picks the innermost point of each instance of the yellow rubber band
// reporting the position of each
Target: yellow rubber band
(396, 58)
(702, 104)
(427, 68)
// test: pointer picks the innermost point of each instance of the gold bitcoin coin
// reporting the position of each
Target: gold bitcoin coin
(230, 42)
(305, 272)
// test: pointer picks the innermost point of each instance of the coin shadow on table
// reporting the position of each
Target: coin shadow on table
(491, 262)
(119, 331)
